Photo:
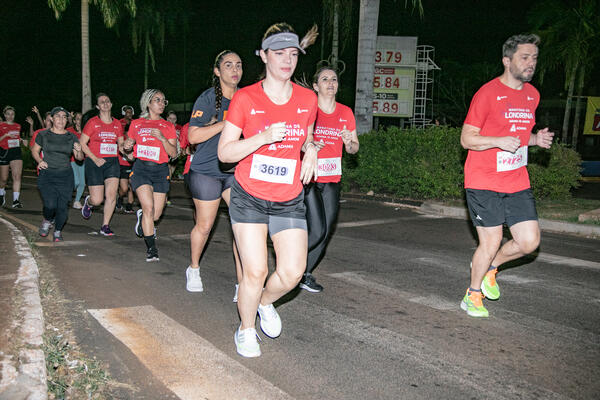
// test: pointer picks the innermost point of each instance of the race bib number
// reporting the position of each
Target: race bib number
(12, 143)
(149, 152)
(272, 169)
(330, 166)
(108, 149)
(507, 161)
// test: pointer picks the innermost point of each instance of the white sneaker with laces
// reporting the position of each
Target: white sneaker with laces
(270, 323)
(77, 205)
(246, 343)
(194, 282)
(235, 296)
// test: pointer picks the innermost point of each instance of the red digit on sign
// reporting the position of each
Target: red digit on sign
(396, 83)
(388, 82)
(389, 54)
(377, 82)
(377, 56)
(394, 108)
(375, 106)
(386, 107)
(398, 57)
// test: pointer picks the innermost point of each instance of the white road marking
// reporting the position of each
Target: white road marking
(572, 262)
(432, 301)
(371, 222)
(517, 280)
(190, 366)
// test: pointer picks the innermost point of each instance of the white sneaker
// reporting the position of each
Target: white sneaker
(194, 282)
(77, 205)
(237, 287)
(270, 323)
(246, 343)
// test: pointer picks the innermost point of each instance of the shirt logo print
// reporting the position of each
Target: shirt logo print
(254, 112)
(300, 111)
(501, 97)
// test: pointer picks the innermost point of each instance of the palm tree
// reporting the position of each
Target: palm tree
(153, 20)
(365, 65)
(338, 15)
(110, 9)
(569, 30)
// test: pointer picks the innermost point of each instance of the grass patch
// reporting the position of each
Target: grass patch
(567, 210)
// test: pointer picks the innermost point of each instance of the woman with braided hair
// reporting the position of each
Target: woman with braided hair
(276, 118)
(209, 180)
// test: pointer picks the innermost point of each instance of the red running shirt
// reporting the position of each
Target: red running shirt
(32, 142)
(74, 132)
(103, 137)
(183, 143)
(328, 128)
(147, 147)
(499, 110)
(14, 135)
(272, 172)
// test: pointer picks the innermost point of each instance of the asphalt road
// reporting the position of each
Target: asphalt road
(387, 326)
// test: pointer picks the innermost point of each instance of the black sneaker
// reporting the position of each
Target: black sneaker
(152, 254)
(119, 205)
(129, 208)
(17, 204)
(309, 283)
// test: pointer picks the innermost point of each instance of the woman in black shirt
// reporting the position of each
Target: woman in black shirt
(55, 181)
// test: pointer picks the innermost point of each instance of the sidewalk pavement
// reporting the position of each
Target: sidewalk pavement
(22, 361)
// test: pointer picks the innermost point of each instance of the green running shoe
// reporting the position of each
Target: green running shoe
(489, 286)
(473, 305)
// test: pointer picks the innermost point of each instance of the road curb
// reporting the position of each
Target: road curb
(545, 224)
(26, 376)
(431, 207)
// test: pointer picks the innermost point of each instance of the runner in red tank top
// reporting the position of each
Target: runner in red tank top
(152, 141)
(77, 166)
(276, 118)
(336, 129)
(101, 141)
(497, 133)
(10, 156)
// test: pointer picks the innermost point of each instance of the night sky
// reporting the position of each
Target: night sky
(41, 56)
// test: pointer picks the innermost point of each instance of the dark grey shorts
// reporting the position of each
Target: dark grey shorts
(488, 208)
(279, 216)
(207, 187)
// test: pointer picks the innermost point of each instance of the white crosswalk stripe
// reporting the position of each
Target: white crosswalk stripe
(190, 366)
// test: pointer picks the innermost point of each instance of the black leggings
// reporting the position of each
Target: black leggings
(322, 202)
(56, 188)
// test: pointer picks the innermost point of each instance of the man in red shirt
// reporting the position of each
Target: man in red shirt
(497, 133)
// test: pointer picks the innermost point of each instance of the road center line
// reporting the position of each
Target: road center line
(190, 366)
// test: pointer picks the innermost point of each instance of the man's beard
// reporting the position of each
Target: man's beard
(521, 75)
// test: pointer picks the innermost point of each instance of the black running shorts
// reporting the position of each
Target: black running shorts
(150, 173)
(488, 208)
(95, 175)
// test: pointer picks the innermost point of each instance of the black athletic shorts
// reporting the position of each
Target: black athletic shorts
(8, 155)
(245, 208)
(207, 187)
(150, 173)
(95, 175)
(488, 208)
(125, 171)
